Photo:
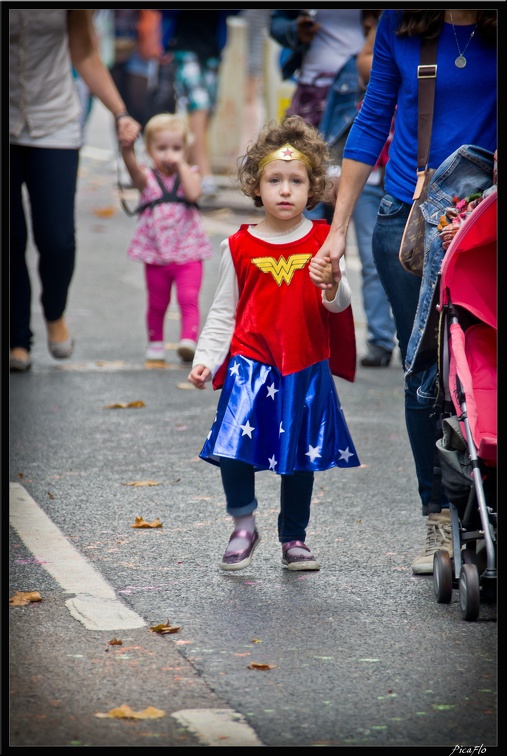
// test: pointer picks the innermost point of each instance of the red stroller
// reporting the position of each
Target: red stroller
(467, 371)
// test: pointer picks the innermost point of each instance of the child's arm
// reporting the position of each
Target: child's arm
(322, 272)
(215, 337)
(137, 173)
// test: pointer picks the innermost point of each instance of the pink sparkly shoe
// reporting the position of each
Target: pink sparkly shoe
(238, 560)
(298, 561)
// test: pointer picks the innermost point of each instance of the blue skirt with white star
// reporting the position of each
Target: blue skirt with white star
(283, 424)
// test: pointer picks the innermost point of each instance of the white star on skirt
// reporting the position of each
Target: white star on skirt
(247, 429)
(313, 453)
(345, 454)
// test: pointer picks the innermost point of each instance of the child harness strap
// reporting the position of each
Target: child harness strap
(164, 197)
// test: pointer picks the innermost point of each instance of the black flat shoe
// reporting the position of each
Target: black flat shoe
(376, 356)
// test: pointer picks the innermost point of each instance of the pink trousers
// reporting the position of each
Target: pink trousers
(159, 281)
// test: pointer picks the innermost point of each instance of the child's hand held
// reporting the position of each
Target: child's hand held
(321, 272)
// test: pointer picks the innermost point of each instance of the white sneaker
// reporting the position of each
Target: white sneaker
(155, 351)
(186, 350)
(438, 536)
(209, 187)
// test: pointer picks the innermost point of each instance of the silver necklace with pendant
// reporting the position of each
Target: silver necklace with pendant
(461, 61)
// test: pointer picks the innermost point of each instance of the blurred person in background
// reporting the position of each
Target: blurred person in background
(195, 40)
(169, 239)
(45, 136)
(137, 47)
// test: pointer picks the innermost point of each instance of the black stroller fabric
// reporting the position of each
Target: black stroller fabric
(455, 464)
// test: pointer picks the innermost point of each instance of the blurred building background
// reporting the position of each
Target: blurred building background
(274, 95)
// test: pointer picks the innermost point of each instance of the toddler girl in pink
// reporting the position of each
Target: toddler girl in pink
(169, 238)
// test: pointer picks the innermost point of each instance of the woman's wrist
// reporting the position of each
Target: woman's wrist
(120, 115)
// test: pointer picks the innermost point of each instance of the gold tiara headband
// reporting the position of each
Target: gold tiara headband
(287, 152)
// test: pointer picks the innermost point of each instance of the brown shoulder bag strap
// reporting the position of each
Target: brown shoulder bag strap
(426, 78)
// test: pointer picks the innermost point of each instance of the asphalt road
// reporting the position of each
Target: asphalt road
(360, 653)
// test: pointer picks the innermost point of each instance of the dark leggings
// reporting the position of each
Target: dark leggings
(50, 177)
(238, 480)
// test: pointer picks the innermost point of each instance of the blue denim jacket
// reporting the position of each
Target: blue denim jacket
(467, 170)
(341, 104)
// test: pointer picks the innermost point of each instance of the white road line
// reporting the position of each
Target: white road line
(95, 604)
(97, 608)
(218, 727)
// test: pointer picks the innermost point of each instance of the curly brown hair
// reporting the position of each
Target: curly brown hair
(273, 135)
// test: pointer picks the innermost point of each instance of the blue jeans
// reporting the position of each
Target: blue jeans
(402, 289)
(379, 319)
(50, 176)
(238, 480)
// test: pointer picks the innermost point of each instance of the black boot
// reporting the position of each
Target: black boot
(376, 356)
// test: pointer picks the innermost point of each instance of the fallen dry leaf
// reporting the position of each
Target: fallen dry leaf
(141, 523)
(22, 598)
(138, 483)
(105, 212)
(114, 364)
(255, 665)
(164, 629)
(115, 642)
(256, 640)
(155, 364)
(125, 712)
(125, 405)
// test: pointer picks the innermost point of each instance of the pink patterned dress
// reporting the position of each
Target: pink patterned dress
(169, 232)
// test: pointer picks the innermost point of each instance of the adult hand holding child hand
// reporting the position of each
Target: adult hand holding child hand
(330, 252)
(128, 130)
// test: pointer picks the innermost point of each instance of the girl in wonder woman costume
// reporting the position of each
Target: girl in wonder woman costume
(271, 342)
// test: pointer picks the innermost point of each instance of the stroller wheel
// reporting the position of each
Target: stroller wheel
(442, 576)
(469, 592)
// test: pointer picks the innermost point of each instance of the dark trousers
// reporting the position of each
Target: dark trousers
(238, 480)
(50, 177)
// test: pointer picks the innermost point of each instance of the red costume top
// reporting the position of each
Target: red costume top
(280, 318)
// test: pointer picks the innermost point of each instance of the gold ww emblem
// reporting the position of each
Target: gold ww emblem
(283, 270)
